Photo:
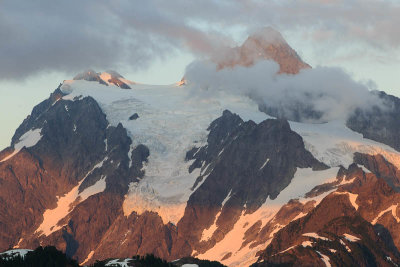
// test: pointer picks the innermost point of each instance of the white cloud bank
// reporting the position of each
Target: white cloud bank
(315, 95)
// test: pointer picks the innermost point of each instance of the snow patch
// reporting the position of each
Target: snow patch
(233, 241)
(19, 242)
(265, 163)
(65, 203)
(130, 156)
(289, 248)
(307, 244)
(344, 181)
(351, 238)
(363, 168)
(98, 187)
(344, 244)
(207, 233)
(325, 259)
(316, 236)
(393, 209)
(28, 139)
(90, 255)
(226, 199)
(300, 215)
(105, 76)
(334, 144)
(390, 260)
(119, 262)
(352, 198)
(303, 181)
(143, 197)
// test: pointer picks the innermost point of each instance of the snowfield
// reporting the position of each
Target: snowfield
(51, 217)
(170, 123)
(334, 144)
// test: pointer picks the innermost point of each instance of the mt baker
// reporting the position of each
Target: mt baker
(254, 159)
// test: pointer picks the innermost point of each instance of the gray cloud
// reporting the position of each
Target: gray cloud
(314, 95)
(74, 35)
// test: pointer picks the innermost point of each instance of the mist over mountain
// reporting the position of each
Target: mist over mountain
(254, 159)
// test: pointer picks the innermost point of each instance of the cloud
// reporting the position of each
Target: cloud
(73, 35)
(314, 95)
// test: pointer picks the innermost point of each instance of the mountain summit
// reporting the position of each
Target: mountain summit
(107, 78)
(264, 44)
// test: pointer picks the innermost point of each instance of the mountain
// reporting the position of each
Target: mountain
(100, 171)
(264, 44)
(106, 78)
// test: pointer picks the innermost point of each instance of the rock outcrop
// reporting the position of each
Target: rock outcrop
(78, 156)
(243, 164)
(381, 122)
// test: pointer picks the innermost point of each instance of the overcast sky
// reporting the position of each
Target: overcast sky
(44, 42)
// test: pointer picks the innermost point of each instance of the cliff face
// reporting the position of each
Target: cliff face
(379, 123)
(356, 225)
(75, 174)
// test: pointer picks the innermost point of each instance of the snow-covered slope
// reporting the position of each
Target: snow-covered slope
(172, 121)
(106, 168)
(334, 144)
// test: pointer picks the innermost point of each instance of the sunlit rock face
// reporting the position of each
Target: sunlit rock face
(265, 44)
(107, 78)
(102, 172)
(349, 226)
(76, 162)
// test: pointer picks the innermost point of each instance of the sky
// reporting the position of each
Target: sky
(45, 42)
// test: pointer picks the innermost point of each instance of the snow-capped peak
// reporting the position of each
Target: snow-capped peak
(106, 78)
(89, 75)
(263, 44)
(114, 78)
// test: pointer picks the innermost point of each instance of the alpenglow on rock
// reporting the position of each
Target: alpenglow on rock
(194, 177)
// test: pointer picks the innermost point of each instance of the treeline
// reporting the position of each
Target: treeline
(43, 257)
(140, 261)
(51, 257)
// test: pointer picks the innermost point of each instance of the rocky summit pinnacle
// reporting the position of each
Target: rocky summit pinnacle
(265, 44)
